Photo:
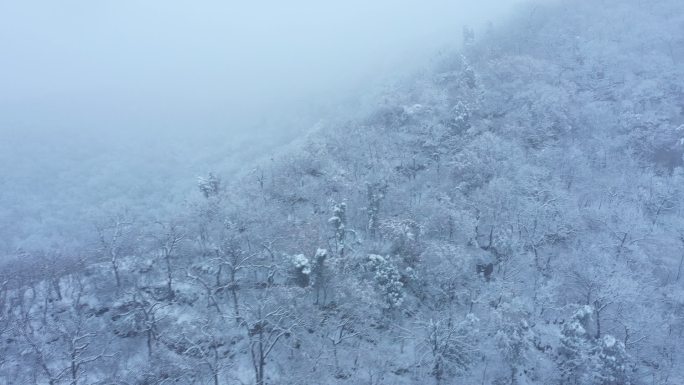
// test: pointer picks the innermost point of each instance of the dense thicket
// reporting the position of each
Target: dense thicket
(511, 216)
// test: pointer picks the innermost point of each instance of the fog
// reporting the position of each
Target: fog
(213, 64)
(342, 192)
(99, 99)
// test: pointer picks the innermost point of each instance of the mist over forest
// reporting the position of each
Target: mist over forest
(389, 192)
(100, 99)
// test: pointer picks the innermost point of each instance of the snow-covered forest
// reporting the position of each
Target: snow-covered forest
(511, 213)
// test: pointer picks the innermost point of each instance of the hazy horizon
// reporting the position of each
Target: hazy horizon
(212, 65)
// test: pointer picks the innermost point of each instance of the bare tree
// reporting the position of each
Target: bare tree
(209, 347)
(68, 344)
(168, 242)
(342, 331)
(266, 324)
(206, 276)
(446, 346)
(231, 258)
(143, 317)
(113, 238)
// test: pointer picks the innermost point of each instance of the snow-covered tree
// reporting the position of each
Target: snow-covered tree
(209, 186)
(387, 280)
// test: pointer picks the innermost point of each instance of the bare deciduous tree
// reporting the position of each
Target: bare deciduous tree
(114, 237)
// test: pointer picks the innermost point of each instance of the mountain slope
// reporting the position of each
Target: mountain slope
(510, 216)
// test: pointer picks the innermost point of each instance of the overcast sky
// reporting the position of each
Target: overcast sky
(149, 64)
